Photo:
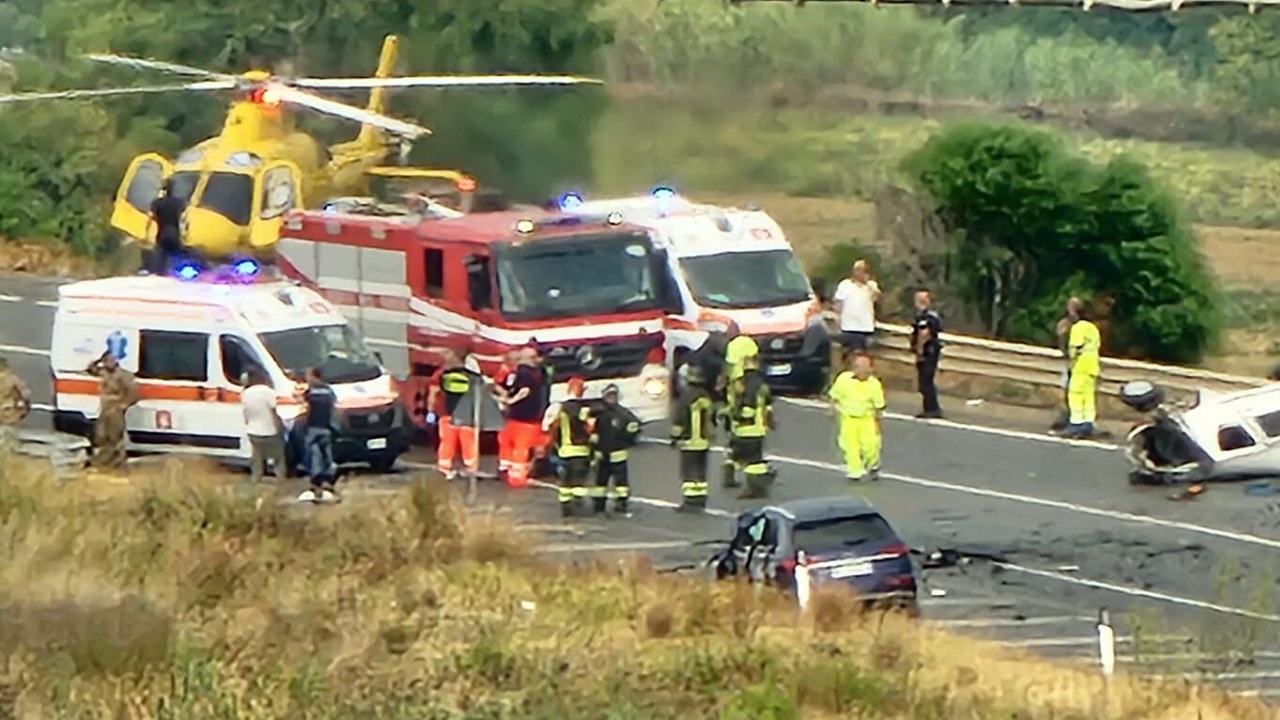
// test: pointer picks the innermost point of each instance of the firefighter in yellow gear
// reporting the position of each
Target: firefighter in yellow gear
(574, 439)
(737, 352)
(858, 398)
(691, 427)
(616, 430)
(1084, 351)
(749, 420)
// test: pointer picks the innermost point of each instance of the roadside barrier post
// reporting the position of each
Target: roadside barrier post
(1106, 643)
(803, 588)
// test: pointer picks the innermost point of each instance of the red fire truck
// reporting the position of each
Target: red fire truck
(590, 292)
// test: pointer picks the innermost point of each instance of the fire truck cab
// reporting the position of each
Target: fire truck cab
(590, 292)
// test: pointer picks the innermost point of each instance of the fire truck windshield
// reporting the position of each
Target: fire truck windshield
(335, 349)
(577, 276)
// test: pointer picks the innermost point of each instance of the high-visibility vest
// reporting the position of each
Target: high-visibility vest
(573, 430)
(856, 398)
(1085, 344)
(751, 408)
(691, 424)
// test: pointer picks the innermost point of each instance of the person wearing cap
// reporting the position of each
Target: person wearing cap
(749, 421)
(572, 429)
(117, 392)
(15, 405)
(691, 427)
(524, 400)
(616, 431)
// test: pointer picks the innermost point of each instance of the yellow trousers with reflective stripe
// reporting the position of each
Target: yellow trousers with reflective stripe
(859, 440)
(1082, 398)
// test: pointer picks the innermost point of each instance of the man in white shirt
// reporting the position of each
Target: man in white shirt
(263, 426)
(855, 302)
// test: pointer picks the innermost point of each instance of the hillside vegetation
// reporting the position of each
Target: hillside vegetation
(179, 597)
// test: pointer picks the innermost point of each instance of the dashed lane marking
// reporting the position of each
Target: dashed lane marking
(23, 350)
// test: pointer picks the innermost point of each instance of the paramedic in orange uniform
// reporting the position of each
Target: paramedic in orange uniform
(451, 383)
(500, 378)
(525, 405)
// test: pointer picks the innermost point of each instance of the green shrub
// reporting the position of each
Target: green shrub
(1032, 223)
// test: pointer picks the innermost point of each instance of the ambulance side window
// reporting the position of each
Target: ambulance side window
(237, 359)
(170, 355)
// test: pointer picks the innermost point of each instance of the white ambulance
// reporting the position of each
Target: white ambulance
(735, 265)
(191, 338)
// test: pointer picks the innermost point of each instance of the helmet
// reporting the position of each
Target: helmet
(610, 389)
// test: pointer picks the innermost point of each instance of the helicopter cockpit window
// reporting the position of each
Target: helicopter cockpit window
(230, 195)
(145, 185)
(277, 192)
(184, 184)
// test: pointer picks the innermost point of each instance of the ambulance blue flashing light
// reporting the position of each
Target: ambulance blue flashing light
(246, 269)
(187, 271)
(663, 192)
(570, 201)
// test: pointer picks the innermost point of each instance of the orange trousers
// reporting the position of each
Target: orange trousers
(453, 439)
(524, 439)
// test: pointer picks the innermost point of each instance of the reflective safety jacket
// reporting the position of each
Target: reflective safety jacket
(751, 415)
(856, 398)
(1084, 343)
(693, 419)
(616, 430)
(455, 383)
(574, 430)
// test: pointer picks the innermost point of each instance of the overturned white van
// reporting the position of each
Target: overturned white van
(1219, 436)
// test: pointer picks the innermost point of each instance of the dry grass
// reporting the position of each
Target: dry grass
(177, 597)
(44, 260)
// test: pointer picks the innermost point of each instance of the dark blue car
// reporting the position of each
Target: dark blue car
(841, 540)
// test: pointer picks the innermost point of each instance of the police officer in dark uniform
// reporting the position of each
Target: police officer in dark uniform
(166, 215)
(691, 427)
(926, 343)
(749, 421)
(616, 429)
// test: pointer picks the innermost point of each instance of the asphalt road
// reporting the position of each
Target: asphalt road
(1190, 586)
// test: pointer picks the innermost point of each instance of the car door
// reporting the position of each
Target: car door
(178, 410)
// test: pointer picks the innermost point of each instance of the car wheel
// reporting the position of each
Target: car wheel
(383, 464)
(1141, 395)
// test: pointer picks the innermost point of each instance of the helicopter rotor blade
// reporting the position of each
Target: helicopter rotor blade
(205, 86)
(294, 96)
(442, 81)
(143, 64)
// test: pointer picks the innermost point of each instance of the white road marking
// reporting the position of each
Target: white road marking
(1245, 538)
(10, 298)
(47, 303)
(1141, 592)
(23, 350)
(994, 603)
(42, 407)
(811, 404)
(614, 547)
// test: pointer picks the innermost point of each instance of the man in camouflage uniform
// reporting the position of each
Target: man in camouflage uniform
(15, 405)
(117, 392)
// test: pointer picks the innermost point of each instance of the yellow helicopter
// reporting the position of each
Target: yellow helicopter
(239, 185)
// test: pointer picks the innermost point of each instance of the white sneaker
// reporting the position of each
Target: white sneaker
(330, 496)
(307, 496)
(451, 475)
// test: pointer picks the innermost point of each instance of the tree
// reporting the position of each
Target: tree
(1031, 223)
(528, 142)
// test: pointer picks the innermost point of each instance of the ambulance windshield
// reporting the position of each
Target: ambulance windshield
(335, 349)
(746, 279)
(577, 276)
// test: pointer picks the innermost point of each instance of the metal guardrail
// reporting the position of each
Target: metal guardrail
(1043, 367)
(1126, 5)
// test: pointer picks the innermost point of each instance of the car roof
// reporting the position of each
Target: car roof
(821, 508)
